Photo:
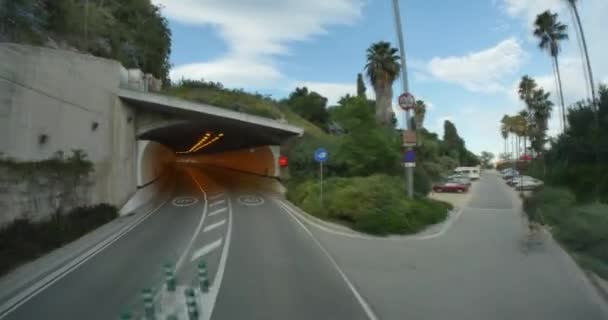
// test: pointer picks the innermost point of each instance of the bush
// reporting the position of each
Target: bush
(23, 240)
(548, 205)
(374, 204)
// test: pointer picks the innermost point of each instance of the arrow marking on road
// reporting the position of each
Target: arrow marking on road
(215, 225)
(217, 203)
(206, 249)
(217, 211)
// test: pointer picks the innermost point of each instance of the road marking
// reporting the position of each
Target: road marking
(182, 258)
(215, 225)
(29, 293)
(216, 196)
(368, 310)
(206, 249)
(184, 201)
(251, 200)
(217, 202)
(208, 303)
(217, 211)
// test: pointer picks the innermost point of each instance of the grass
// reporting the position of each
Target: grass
(374, 204)
(22, 240)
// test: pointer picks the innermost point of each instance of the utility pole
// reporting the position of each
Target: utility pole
(409, 171)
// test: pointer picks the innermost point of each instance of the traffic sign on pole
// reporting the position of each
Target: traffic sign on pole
(407, 101)
(409, 156)
(321, 155)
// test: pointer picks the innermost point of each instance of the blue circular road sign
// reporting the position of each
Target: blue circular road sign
(321, 155)
(409, 156)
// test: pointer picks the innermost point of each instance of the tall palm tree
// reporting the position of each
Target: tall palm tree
(504, 130)
(419, 114)
(583, 41)
(550, 33)
(541, 107)
(526, 89)
(383, 66)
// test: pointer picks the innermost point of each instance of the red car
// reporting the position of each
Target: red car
(450, 186)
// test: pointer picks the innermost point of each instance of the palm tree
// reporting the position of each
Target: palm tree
(383, 66)
(541, 107)
(526, 89)
(551, 32)
(504, 130)
(419, 113)
(583, 41)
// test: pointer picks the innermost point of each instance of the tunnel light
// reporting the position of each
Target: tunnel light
(203, 142)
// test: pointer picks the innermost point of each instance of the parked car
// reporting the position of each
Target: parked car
(527, 184)
(516, 179)
(472, 172)
(510, 174)
(460, 179)
(450, 186)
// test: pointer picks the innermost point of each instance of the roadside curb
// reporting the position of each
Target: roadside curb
(335, 229)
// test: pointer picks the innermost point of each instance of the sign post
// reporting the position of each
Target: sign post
(320, 155)
(407, 102)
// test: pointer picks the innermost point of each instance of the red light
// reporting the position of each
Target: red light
(283, 161)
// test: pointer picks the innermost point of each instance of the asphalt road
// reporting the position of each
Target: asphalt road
(482, 268)
(273, 269)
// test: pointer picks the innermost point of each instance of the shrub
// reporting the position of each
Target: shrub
(549, 204)
(374, 204)
(23, 240)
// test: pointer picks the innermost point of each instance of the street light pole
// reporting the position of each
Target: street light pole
(409, 171)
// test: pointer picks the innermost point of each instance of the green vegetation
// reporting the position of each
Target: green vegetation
(383, 66)
(132, 32)
(579, 227)
(309, 105)
(374, 204)
(22, 240)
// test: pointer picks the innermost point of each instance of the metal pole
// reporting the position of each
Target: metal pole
(409, 171)
(321, 165)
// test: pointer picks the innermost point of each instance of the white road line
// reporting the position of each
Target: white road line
(368, 310)
(27, 294)
(206, 249)
(182, 258)
(217, 211)
(216, 196)
(217, 202)
(215, 225)
(208, 303)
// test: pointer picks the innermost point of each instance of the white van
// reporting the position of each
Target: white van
(471, 172)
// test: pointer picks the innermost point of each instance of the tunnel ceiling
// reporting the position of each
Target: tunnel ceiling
(195, 120)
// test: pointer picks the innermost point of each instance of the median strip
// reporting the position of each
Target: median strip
(217, 211)
(214, 226)
(206, 249)
(218, 202)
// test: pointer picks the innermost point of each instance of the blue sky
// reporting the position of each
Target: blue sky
(465, 57)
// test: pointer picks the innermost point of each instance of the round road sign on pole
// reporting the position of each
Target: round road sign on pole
(321, 155)
(407, 101)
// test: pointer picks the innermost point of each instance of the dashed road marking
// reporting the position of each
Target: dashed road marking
(216, 196)
(206, 249)
(214, 225)
(218, 202)
(217, 211)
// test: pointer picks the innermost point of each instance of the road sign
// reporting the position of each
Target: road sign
(407, 101)
(410, 164)
(321, 155)
(409, 138)
(409, 156)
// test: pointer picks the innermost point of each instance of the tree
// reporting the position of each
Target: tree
(309, 105)
(383, 66)
(361, 89)
(550, 33)
(540, 108)
(419, 113)
(486, 159)
(583, 43)
(504, 130)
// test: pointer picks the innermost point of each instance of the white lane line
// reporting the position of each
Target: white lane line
(215, 225)
(216, 196)
(182, 258)
(217, 211)
(206, 249)
(368, 310)
(215, 203)
(208, 303)
(29, 293)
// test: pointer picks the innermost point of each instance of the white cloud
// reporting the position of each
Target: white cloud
(481, 71)
(255, 32)
(528, 9)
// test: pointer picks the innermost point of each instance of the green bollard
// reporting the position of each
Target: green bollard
(147, 298)
(203, 278)
(170, 278)
(191, 304)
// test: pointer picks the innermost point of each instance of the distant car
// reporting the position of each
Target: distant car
(527, 184)
(510, 174)
(516, 179)
(460, 179)
(450, 186)
(471, 172)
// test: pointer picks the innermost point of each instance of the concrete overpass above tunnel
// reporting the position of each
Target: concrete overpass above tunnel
(171, 130)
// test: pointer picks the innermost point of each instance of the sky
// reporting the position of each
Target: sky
(465, 58)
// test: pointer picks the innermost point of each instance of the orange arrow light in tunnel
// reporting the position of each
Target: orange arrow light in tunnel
(202, 142)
